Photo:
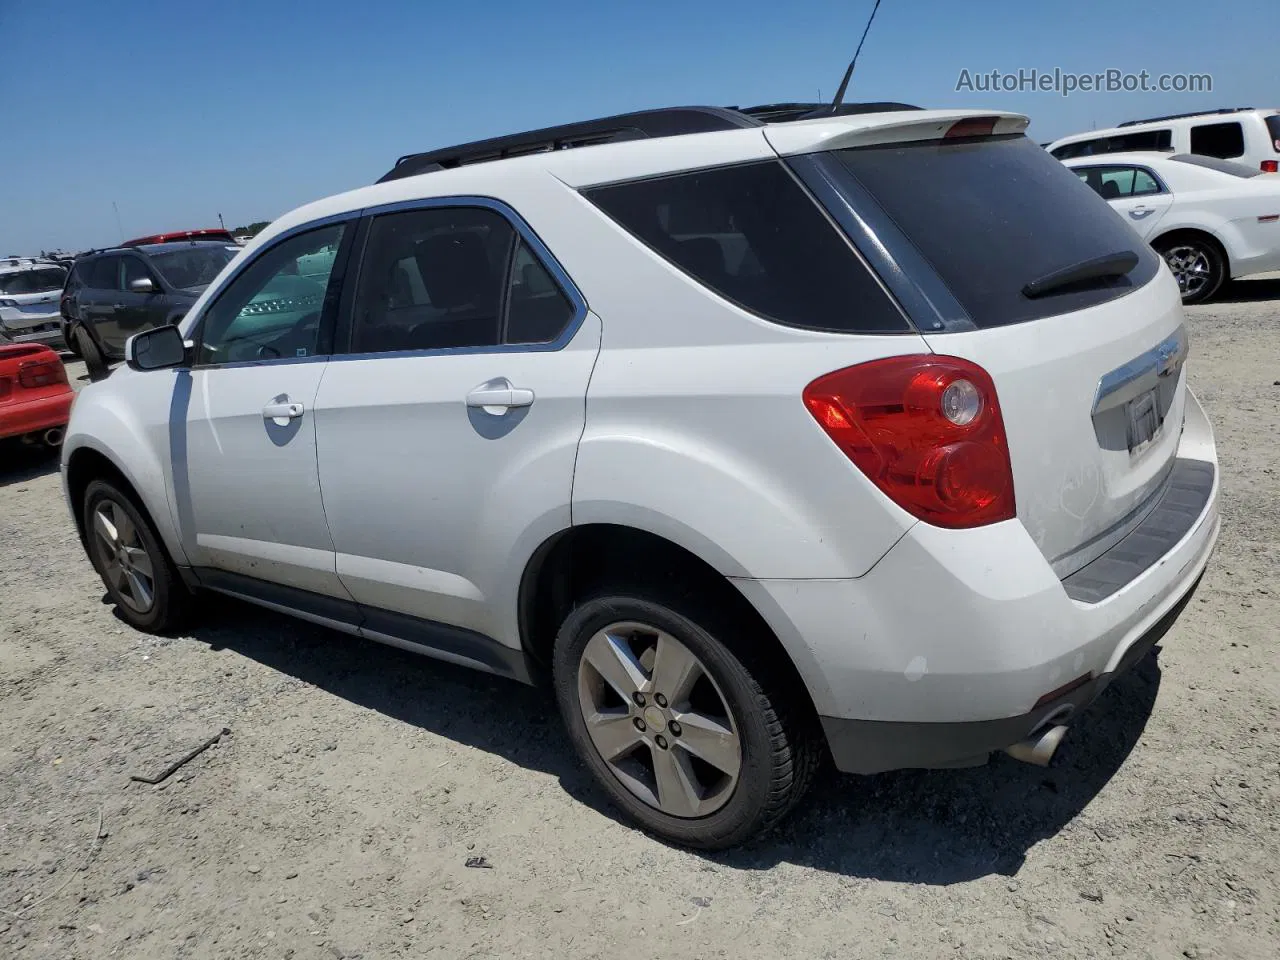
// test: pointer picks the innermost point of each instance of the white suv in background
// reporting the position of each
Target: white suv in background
(767, 439)
(29, 292)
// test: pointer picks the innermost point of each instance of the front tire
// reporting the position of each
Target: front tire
(95, 363)
(1197, 265)
(125, 550)
(684, 737)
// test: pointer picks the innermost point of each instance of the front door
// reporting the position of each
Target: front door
(449, 423)
(247, 489)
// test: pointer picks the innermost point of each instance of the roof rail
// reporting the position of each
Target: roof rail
(1183, 116)
(643, 124)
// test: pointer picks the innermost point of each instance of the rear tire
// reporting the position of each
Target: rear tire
(95, 363)
(1197, 264)
(135, 568)
(741, 758)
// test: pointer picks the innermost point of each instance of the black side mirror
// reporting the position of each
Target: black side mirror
(156, 349)
(143, 285)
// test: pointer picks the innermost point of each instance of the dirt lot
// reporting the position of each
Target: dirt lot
(336, 819)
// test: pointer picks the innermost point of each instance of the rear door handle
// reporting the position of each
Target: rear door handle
(282, 412)
(499, 393)
(1139, 212)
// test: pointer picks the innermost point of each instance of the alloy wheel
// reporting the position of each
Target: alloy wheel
(1191, 268)
(127, 567)
(659, 720)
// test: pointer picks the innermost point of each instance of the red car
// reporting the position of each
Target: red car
(35, 397)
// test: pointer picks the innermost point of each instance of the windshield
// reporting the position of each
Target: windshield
(992, 215)
(43, 280)
(1222, 166)
(193, 266)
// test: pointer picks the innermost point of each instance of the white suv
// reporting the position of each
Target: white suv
(863, 436)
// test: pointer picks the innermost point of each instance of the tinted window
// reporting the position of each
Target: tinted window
(134, 269)
(537, 309)
(273, 307)
(106, 274)
(1224, 140)
(751, 234)
(431, 279)
(195, 267)
(1221, 166)
(1139, 140)
(40, 280)
(994, 214)
(1273, 127)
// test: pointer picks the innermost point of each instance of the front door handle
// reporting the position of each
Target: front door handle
(499, 393)
(281, 412)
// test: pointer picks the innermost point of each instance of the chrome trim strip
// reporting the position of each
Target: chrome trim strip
(1143, 372)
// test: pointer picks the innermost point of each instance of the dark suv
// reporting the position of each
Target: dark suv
(112, 294)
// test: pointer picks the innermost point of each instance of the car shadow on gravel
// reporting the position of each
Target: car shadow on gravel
(935, 827)
(21, 462)
(1248, 291)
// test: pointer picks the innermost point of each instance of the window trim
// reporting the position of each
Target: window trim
(1164, 187)
(523, 231)
(328, 312)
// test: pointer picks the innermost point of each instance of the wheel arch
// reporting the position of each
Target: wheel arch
(571, 563)
(1173, 234)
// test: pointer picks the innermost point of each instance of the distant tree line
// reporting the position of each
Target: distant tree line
(252, 229)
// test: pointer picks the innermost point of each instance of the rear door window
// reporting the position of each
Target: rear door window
(993, 214)
(754, 236)
(1221, 140)
(1112, 183)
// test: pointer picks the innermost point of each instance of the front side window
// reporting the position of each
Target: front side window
(135, 269)
(755, 237)
(272, 309)
(450, 277)
(40, 280)
(1221, 140)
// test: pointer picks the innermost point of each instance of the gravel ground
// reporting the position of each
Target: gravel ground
(337, 817)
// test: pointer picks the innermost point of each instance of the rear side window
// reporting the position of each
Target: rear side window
(1139, 140)
(1273, 128)
(994, 214)
(754, 236)
(1222, 140)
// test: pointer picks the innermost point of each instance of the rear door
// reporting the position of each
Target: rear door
(1088, 373)
(448, 426)
(1134, 192)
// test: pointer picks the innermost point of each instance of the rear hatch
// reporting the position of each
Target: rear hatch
(1047, 289)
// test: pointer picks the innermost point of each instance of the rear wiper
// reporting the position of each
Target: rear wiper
(1106, 267)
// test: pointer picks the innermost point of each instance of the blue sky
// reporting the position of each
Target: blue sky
(179, 111)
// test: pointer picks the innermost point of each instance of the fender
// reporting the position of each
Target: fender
(101, 422)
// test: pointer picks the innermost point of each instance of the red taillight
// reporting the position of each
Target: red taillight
(972, 127)
(41, 374)
(1270, 166)
(926, 430)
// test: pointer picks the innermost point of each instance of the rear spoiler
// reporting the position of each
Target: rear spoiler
(868, 130)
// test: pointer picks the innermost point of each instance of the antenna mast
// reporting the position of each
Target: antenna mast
(848, 74)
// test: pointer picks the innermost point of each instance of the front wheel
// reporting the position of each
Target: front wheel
(1197, 265)
(684, 738)
(140, 579)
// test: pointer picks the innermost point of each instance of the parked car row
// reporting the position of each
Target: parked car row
(768, 435)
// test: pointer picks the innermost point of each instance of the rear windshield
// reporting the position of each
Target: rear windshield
(1222, 166)
(1273, 127)
(193, 266)
(40, 280)
(1117, 143)
(994, 214)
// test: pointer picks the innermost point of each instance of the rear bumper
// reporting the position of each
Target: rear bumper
(946, 649)
(33, 416)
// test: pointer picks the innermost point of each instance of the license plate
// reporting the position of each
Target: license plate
(1145, 420)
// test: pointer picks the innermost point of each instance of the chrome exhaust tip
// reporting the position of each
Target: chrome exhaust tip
(52, 437)
(1039, 748)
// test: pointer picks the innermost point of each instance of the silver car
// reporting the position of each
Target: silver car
(29, 293)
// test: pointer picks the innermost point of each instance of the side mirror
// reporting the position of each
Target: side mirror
(142, 285)
(155, 349)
